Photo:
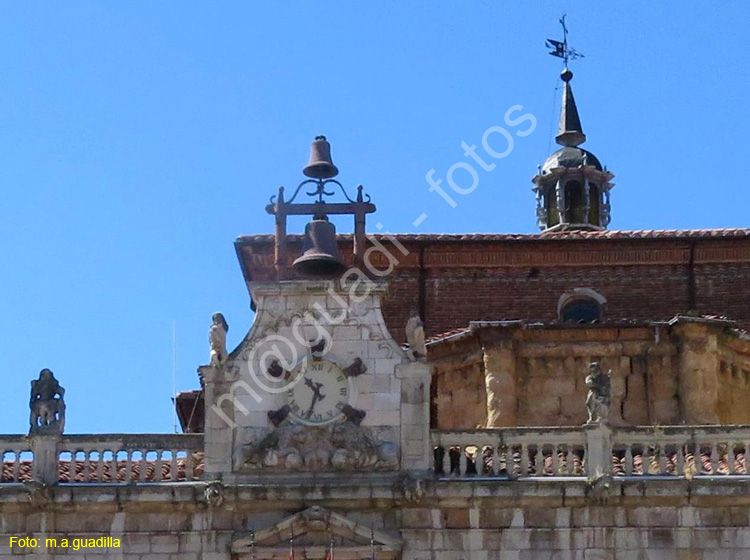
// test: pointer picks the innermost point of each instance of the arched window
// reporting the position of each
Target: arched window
(574, 205)
(581, 306)
(550, 203)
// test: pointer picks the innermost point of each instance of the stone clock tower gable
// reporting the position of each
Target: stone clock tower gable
(317, 385)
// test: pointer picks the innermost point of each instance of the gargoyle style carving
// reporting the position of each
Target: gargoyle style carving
(47, 405)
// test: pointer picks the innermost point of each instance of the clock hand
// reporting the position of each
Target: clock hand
(321, 396)
(316, 397)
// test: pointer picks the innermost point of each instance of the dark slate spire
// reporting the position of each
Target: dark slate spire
(570, 132)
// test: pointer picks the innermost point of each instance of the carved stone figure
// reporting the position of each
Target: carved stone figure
(598, 398)
(47, 405)
(599, 489)
(415, 338)
(213, 494)
(413, 489)
(39, 495)
(255, 453)
(217, 339)
(341, 446)
(356, 368)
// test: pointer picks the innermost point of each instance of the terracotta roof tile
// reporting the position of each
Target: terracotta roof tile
(74, 471)
(620, 323)
(559, 235)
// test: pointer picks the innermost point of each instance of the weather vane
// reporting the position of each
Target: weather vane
(561, 49)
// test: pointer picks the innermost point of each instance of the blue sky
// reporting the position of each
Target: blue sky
(139, 139)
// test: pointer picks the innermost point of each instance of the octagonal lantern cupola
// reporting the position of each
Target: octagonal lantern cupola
(572, 188)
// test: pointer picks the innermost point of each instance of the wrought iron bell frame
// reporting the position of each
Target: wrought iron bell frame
(320, 208)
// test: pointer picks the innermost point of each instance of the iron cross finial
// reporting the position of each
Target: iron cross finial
(560, 48)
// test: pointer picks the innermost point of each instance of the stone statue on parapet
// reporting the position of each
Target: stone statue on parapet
(598, 398)
(415, 338)
(47, 405)
(217, 339)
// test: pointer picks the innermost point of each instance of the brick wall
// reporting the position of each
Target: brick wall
(453, 280)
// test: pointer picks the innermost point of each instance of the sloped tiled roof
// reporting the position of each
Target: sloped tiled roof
(556, 235)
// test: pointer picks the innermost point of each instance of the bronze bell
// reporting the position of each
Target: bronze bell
(320, 257)
(320, 165)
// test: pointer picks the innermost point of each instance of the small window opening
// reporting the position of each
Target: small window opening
(581, 311)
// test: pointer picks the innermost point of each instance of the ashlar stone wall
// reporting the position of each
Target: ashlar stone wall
(525, 375)
(500, 520)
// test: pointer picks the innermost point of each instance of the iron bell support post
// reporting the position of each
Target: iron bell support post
(322, 170)
(281, 209)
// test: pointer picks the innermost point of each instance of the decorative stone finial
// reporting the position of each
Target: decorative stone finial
(598, 398)
(47, 405)
(217, 339)
(415, 338)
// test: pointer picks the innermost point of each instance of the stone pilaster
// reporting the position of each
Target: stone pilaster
(46, 452)
(219, 421)
(698, 382)
(416, 449)
(500, 385)
(598, 450)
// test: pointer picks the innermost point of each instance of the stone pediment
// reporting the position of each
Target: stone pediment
(313, 530)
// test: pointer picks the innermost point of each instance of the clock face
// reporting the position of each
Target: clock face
(320, 394)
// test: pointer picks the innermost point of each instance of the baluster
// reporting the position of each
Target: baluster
(569, 457)
(144, 466)
(113, 468)
(629, 460)
(503, 453)
(446, 460)
(731, 457)
(189, 464)
(495, 460)
(524, 459)
(128, 466)
(662, 459)
(157, 466)
(100, 466)
(646, 459)
(555, 460)
(539, 460)
(680, 459)
(17, 465)
(86, 465)
(714, 458)
(173, 466)
(744, 458)
(462, 462)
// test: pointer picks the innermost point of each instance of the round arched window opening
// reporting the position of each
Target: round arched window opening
(581, 311)
(581, 306)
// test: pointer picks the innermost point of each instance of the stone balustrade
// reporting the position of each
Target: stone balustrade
(15, 451)
(681, 451)
(510, 453)
(106, 458)
(502, 453)
(592, 451)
